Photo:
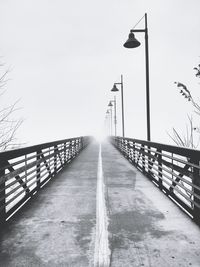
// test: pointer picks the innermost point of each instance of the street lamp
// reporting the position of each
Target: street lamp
(107, 125)
(115, 117)
(115, 89)
(109, 112)
(132, 42)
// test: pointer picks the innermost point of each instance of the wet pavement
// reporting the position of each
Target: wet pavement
(57, 227)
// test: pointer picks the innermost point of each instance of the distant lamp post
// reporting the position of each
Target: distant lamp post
(110, 112)
(132, 42)
(115, 117)
(109, 116)
(115, 89)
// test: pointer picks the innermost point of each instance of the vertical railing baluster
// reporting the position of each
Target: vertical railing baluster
(38, 169)
(64, 153)
(77, 146)
(149, 160)
(49, 157)
(73, 148)
(76, 152)
(134, 159)
(26, 175)
(70, 150)
(172, 164)
(122, 146)
(125, 148)
(143, 157)
(129, 150)
(55, 160)
(196, 181)
(80, 143)
(117, 143)
(2, 195)
(159, 167)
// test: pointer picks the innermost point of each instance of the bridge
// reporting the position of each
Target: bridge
(122, 202)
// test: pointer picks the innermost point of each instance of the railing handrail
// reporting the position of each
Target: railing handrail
(183, 151)
(9, 154)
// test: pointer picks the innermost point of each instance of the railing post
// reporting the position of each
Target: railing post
(77, 146)
(71, 149)
(64, 152)
(160, 168)
(143, 158)
(38, 169)
(134, 152)
(130, 151)
(2, 197)
(55, 160)
(122, 146)
(81, 140)
(125, 148)
(74, 148)
(196, 181)
(148, 160)
(118, 141)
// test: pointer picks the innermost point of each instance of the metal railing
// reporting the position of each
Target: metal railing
(174, 170)
(24, 171)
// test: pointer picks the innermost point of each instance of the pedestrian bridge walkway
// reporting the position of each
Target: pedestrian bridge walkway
(99, 210)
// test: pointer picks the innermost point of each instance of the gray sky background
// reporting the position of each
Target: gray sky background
(65, 56)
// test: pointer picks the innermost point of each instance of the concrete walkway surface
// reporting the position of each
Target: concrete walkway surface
(58, 226)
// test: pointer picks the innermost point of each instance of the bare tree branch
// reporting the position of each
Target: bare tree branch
(8, 125)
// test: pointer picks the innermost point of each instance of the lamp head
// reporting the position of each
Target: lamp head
(132, 42)
(114, 89)
(107, 112)
(110, 104)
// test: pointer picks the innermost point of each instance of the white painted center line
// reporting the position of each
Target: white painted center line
(102, 251)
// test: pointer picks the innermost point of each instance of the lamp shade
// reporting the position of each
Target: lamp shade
(110, 104)
(132, 42)
(114, 89)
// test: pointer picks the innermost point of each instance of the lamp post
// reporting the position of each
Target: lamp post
(115, 89)
(107, 123)
(115, 117)
(109, 112)
(132, 42)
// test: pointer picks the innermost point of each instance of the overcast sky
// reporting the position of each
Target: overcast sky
(64, 57)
